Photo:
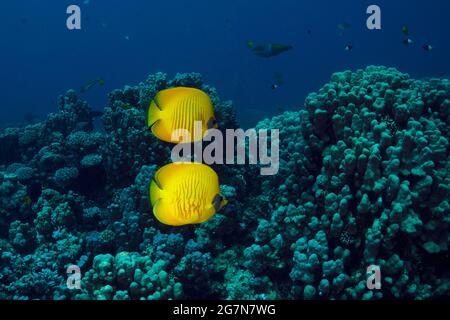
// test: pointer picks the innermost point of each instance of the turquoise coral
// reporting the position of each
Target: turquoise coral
(364, 179)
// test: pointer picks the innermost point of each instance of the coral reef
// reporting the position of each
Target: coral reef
(364, 180)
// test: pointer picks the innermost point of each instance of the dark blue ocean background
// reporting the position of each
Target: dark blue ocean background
(124, 41)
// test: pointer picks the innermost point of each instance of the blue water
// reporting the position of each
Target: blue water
(124, 41)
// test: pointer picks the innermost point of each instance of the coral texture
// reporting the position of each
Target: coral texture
(364, 180)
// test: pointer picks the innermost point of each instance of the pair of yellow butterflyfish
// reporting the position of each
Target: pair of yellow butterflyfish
(185, 192)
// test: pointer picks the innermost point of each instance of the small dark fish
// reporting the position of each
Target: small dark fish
(278, 80)
(349, 47)
(408, 41)
(309, 32)
(268, 50)
(89, 84)
(428, 47)
(86, 86)
(405, 30)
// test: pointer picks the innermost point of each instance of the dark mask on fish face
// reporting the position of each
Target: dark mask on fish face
(217, 202)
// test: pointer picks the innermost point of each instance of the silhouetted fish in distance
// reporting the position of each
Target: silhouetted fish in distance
(268, 50)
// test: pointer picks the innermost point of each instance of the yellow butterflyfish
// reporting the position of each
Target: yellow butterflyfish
(181, 108)
(185, 193)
